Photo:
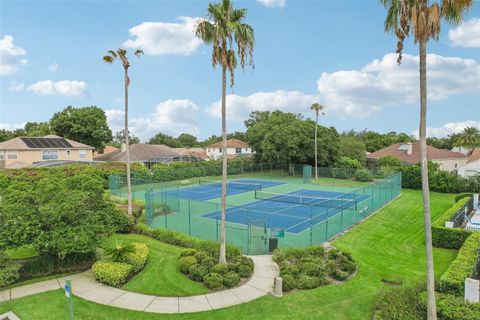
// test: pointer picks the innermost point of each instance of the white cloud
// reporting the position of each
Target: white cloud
(53, 67)
(449, 128)
(383, 83)
(172, 117)
(161, 38)
(16, 86)
(238, 107)
(11, 127)
(60, 88)
(273, 3)
(11, 56)
(466, 35)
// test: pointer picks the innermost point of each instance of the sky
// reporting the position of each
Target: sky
(332, 52)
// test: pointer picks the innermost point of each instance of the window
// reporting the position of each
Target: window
(2, 155)
(49, 154)
(69, 152)
(12, 155)
(238, 150)
(220, 150)
(82, 154)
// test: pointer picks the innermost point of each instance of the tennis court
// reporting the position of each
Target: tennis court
(211, 189)
(294, 212)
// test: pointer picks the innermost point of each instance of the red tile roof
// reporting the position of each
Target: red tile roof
(413, 158)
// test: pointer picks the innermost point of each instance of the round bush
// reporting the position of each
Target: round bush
(201, 255)
(220, 268)
(231, 279)
(244, 271)
(363, 175)
(289, 269)
(242, 260)
(233, 267)
(340, 275)
(346, 265)
(209, 263)
(309, 268)
(330, 267)
(186, 262)
(197, 272)
(307, 282)
(315, 251)
(288, 282)
(213, 281)
(188, 252)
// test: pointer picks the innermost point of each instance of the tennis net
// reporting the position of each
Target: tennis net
(231, 184)
(306, 200)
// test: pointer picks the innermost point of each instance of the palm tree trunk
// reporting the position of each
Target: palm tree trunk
(316, 153)
(129, 181)
(431, 304)
(223, 236)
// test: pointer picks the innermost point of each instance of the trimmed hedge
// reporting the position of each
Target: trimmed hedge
(137, 259)
(453, 280)
(460, 196)
(450, 307)
(9, 273)
(112, 273)
(449, 238)
(213, 281)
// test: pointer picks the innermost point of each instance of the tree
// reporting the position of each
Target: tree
(37, 129)
(389, 161)
(422, 20)
(469, 137)
(222, 28)
(165, 139)
(352, 147)
(87, 125)
(119, 138)
(318, 109)
(121, 54)
(214, 138)
(187, 140)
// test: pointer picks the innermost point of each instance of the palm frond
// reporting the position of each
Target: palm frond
(112, 53)
(108, 59)
(454, 10)
(138, 53)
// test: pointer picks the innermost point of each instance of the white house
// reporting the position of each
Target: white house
(235, 148)
(472, 166)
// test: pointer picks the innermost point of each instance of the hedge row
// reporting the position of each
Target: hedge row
(450, 238)
(186, 241)
(450, 307)
(453, 280)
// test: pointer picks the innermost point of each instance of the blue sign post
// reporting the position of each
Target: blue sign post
(68, 294)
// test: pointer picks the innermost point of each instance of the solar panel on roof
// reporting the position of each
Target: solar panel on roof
(46, 143)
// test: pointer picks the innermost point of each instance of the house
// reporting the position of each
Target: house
(195, 152)
(23, 152)
(409, 153)
(463, 150)
(106, 150)
(472, 166)
(235, 148)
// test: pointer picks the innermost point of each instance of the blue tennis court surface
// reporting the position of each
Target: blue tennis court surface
(282, 210)
(212, 189)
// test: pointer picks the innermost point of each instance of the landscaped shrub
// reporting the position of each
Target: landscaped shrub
(231, 279)
(138, 258)
(188, 252)
(340, 275)
(112, 273)
(450, 307)
(220, 268)
(460, 196)
(310, 268)
(213, 281)
(341, 173)
(244, 271)
(201, 255)
(9, 271)
(48, 264)
(453, 280)
(186, 262)
(117, 251)
(209, 262)
(400, 303)
(197, 272)
(363, 175)
(288, 282)
(307, 282)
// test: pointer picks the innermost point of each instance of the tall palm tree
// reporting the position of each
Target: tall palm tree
(422, 20)
(222, 28)
(318, 108)
(121, 54)
(469, 137)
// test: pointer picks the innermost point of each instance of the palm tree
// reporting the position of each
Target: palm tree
(469, 137)
(222, 28)
(121, 54)
(422, 20)
(318, 108)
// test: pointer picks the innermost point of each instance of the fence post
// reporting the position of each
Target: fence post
(189, 220)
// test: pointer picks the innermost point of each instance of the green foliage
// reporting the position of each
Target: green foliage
(280, 137)
(306, 282)
(187, 140)
(363, 175)
(401, 303)
(201, 255)
(138, 258)
(389, 161)
(347, 162)
(112, 273)
(352, 147)
(165, 139)
(244, 271)
(220, 268)
(87, 125)
(197, 272)
(213, 281)
(288, 282)
(188, 252)
(209, 262)
(9, 272)
(453, 280)
(451, 307)
(117, 251)
(185, 263)
(460, 196)
(342, 173)
(48, 264)
(231, 279)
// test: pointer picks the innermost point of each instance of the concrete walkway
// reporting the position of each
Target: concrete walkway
(85, 287)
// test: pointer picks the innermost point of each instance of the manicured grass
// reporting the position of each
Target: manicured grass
(24, 252)
(160, 276)
(388, 245)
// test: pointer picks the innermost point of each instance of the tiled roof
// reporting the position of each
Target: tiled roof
(232, 143)
(475, 155)
(413, 158)
(19, 144)
(198, 152)
(138, 152)
(108, 149)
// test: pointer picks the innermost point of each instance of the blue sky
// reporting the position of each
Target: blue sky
(333, 52)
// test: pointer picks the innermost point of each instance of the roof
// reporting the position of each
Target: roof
(138, 152)
(398, 150)
(231, 143)
(106, 150)
(198, 152)
(46, 142)
(475, 155)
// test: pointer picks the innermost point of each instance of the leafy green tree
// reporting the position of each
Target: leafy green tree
(422, 20)
(187, 140)
(389, 161)
(165, 139)
(119, 138)
(222, 28)
(347, 162)
(5, 135)
(353, 147)
(214, 138)
(37, 129)
(469, 137)
(86, 125)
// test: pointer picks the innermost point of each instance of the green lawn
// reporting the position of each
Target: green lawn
(24, 252)
(161, 276)
(388, 245)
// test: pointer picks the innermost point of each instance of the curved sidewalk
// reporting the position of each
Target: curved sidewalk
(85, 287)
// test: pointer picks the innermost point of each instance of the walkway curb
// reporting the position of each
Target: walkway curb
(84, 286)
